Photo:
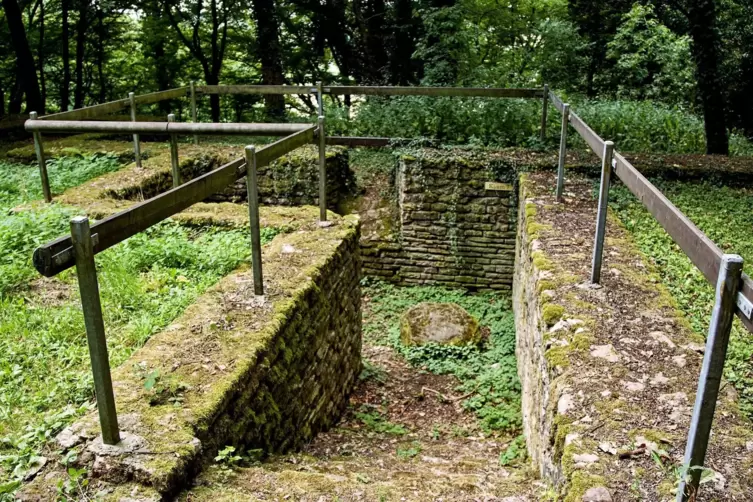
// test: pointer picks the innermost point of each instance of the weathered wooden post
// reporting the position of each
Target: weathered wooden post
(601, 217)
(86, 272)
(563, 151)
(136, 143)
(322, 172)
(544, 109)
(174, 153)
(39, 150)
(727, 284)
(193, 110)
(252, 188)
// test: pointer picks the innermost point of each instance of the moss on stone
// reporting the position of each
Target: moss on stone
(551, 313)
(541, 262)
(579, 484)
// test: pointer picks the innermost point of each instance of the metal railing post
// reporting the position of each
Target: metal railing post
(39, 150)
(544, 108)
(727, 284)
(174, 154)
(136, 142)
(563, 151)
(253, 215)
(601, 216)
(193, 110)
(322, 172)
(86, 272)
(320, 98)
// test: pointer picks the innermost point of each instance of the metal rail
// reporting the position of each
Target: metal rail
(52, 258)
(734, 289)
(184, 128)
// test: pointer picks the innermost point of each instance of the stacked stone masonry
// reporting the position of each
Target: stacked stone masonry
(264, 373)
(455, 228)
(293, 180)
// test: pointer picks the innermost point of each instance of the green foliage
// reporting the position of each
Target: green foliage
(406, 452)
(145, 283)
(649, 126)
(479, 121)
(723, 213)
(488, 375)
(227, 456)
(650, 61)
(515, 452)
(375, 421)
(22, 183)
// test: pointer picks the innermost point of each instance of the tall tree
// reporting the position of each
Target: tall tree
(402, 66)
(268, 48)
(26, 73)
(65, 85)
(597, 23)
(702, 17)
(82, 25)
(211, 58)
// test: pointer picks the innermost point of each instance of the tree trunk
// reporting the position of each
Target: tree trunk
(267, 26)
(703, 32)
(101, 35)
(81, 27)
(402, 65)
(2, 102)
(40, 54)
(370, 15)
(16, 98)
(26, 73)
(65, 85)
(214, 99)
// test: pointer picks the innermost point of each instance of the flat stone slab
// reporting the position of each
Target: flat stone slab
(442, 323)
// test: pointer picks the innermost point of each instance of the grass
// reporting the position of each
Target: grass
(487, 374)
(22, 183)
(723, 213)
(145, 283)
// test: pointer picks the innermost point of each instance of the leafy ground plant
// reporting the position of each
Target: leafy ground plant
(723, 213)
(487, 375)
(145, 283)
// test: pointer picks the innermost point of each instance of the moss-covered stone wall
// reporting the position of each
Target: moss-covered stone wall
(609, 371)
(293, 179)
(263, 373)
(454, 228)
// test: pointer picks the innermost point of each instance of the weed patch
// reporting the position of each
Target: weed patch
(721, 212)
(145, 283)
(488, 376)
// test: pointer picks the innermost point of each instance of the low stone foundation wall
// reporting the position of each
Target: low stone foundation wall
(456, 226)
(609, 372)
(293, 180)
(253, 372)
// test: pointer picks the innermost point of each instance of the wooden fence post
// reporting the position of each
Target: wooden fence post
(136, 143)
(174, 154)
(86, 272)
(563, 151)
(193, 110)
(544, 108)
(322, 172)
(727, 284)
(252, 188)
(39, 150)
(601, 216)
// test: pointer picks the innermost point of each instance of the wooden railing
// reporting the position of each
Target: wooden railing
(734, 294)
(734, 289)
(85, 241)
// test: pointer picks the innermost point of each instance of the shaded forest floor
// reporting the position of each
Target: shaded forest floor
(409, 433)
